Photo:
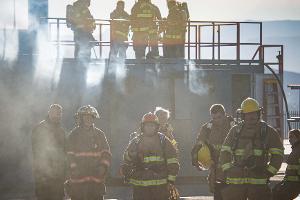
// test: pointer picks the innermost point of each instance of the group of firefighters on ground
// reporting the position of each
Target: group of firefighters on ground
(241, 155)
(145, 22)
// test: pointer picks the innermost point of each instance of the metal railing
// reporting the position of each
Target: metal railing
(294, 125)
(202, 37)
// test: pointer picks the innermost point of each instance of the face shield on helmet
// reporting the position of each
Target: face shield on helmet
(86, 112)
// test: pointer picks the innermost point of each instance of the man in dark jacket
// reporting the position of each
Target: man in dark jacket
(48, 143)
(119, 31)
(89, 158)
(213, 134)
(289, 188)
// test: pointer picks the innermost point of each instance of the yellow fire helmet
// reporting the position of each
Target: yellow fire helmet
(204, 157)
(250, 105)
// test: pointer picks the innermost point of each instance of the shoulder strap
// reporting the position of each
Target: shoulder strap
(208, 128)
(237, 135)
(264, 135)
(162, 138)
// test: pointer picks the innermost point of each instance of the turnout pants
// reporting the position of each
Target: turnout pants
(246, 191)
(49, 190)
(286, 190)
(151, 193)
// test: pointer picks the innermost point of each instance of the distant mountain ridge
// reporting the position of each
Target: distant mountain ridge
(292, 95)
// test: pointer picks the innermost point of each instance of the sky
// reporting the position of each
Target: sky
(237, 10)
(205, 10)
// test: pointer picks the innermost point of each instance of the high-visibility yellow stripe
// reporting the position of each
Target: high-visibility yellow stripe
(147, 182)
(258, 181)
(86, 154)
(171, 178)
(276, 151)
(235, 180)
(241, 152)
(173, 36)
(253, 181)
(140, 29)
(293, 167)
(144, 15)
(121, 33)
(172, 161)
(226, 148)
(86, 179)
(217, 147)
(272, 169)
(174, 142)
(257, 152)
(226, 166)
(153, 31)
(153, 159)
(292, 178)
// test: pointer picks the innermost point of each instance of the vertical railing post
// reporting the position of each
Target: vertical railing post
(219, 38)
(213, 41)
(238, 43)
(199, 42)
(196, 41)
(57, 38)
(100, 40)
(189, 40)
(260, 38)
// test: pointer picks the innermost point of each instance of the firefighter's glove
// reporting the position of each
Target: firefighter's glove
(194, 155)
(267, 173)
(173, 192)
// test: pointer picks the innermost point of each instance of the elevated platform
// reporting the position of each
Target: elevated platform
(123, 92)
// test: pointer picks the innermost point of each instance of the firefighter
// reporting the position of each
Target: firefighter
(48, 141)
(185, 12)
(289, 188)
(119, 31)
(251, 154)
(206, 151)
(144, 28)
(165, 128)
(89, 158)
(150, 162)
(81, 21)
(154, 34)
(173, 35)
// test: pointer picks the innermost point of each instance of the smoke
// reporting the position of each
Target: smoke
(14, 14)
(48, 63)
(9, 44)
(198, 83)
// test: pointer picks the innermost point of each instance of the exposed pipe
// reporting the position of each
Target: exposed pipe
(283, 93)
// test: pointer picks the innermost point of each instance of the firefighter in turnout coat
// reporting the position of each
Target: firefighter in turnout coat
(150, 162)
(89, 158)
(251, 154)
